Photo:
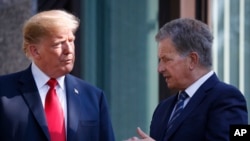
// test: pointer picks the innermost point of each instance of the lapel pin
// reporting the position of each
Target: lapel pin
(76, 91)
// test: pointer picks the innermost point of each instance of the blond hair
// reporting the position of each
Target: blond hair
(45, 24)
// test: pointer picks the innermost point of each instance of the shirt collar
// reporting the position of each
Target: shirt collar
(41, 78)
(195, 86)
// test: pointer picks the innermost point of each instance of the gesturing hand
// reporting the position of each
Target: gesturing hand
(143, 136)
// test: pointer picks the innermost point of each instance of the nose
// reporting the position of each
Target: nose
(68, 47)
(160, 68)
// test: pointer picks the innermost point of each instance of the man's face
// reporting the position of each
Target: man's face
(173, 66)
(55, 55)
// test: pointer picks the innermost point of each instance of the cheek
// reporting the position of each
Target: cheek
(175, 68)
(51, 58)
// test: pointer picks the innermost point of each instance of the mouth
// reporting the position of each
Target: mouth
(166, 78)
(68, 61)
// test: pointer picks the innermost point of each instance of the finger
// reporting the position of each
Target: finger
(132, 139)
(141, 133)
(135, 138)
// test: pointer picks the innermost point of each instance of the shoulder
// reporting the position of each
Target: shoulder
(7, 78)
(226, 95)
(81, 84)
(219, 89)
(225, 89)
(76, 80)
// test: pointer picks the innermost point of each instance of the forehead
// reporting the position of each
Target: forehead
(166, 47)
(61, 30)
(57, 36)
(60, 33)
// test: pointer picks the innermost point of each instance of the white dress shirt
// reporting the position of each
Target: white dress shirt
(193, 88)
(41, 79)
(196, 85)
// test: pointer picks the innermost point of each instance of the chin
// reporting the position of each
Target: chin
(170, 86)
(69, 66)
(66, 70)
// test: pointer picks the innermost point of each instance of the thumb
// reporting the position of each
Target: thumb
(141, 133)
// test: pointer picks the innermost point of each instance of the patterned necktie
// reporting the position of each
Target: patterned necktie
(54, 113)
(178, 108)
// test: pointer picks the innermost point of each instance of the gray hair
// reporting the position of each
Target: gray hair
(189, 35)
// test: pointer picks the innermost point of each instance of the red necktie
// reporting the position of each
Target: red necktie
(54, 113)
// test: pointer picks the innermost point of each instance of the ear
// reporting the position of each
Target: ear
(34, 52)
(194, 60)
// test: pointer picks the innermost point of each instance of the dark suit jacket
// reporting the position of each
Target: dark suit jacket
(22, 116)
(207, 116)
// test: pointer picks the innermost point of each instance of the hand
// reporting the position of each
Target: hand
(143, 136)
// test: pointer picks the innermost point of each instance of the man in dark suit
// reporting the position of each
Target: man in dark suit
(205, 107)
(44, 102)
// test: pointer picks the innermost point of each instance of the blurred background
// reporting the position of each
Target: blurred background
(116, 49)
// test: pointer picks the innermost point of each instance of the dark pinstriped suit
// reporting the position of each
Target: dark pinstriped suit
(206, 117)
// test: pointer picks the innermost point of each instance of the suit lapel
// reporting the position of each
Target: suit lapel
(32, 98)
(73, 106)
(163, 128)
(193, 103)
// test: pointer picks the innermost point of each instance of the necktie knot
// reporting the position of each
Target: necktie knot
(52, 83)
(182, 96)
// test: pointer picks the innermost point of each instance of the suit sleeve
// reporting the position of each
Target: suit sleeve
(106, 129)
(228, 109)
